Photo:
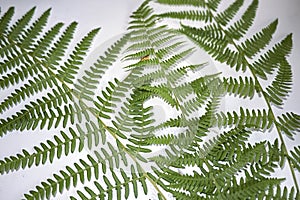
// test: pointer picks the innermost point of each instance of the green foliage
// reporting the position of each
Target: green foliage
(115, 123)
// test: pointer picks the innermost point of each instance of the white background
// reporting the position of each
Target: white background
(112, 16)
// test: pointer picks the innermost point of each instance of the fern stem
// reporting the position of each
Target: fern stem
(284, 148)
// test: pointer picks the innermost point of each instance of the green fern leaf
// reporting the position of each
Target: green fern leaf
(34, 31)
(295, 157)
(289, 123)
(259, 119)
(67, 73)
(213, 4)
(229, 13)
(195, 15)
(117, 125)
(270, 60)
(85, 87)
(57, 51)
(243, 87)
(5, 19)
(178, 2)
(281, 86)
(258, 41)
(240, 27)
(16, 30)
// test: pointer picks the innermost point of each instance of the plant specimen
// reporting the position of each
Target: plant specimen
(201, 151)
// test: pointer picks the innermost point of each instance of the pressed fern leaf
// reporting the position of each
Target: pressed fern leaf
(85, 88)
(295, 154)
(116, 122)
(224, 38)
(223, 152)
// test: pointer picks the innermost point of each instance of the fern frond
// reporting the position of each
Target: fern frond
(142, 11)
(213, 40)
(8, 49)
(69, 70)
(26, 119)
(210, 181)
(110, 159)
(194, 15)
(175, 59)
(289, 123)
(166, 51)
(270, 60)
(228, 166)
(161, 92)
(39, 50)
(117, 186)
(188, 182)
(20, 75)
(172, 122)
(257, 119)
(240, 27)
(154, 32)
(82, 172)
(49, 150)
(85, 87)
(224, 47)
(229, 13)
(202, 88)
(144, 63)
(36, 85)
(295, 157)
(124, 121)
(197, 3)
(267, 164)
(42, 45)
(242, 86)
(17, 57)
(65, 178)
(21, 120)
(139, 54)
(106, 103)
(213, 4)
(42, 82)
(162, 41)
(145, 13)
(141, 115)
(175, 76)
(260, 40)
(221, 148)
(250, 188)
(13, 61)
(34, 31)
(197, 102)
(17, 29)
(57, 51)
(279, 193)
(5, 20)
(281, 86)
(181, 140)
